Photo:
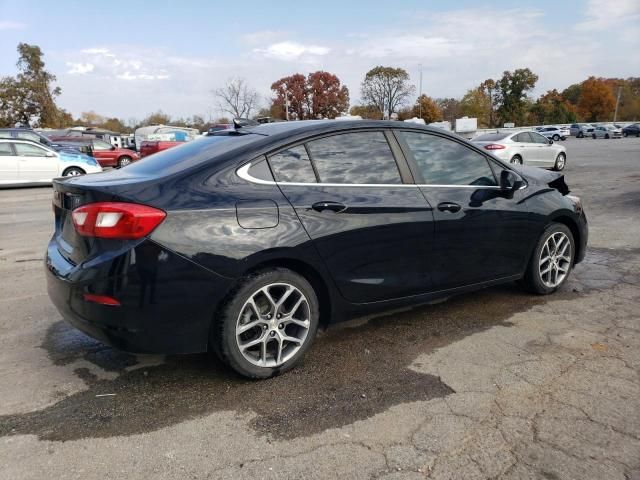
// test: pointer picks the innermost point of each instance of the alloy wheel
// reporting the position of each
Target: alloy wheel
(560, 160)
(273, 325)
(555, 259)
(74, 172)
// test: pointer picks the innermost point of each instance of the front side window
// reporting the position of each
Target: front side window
(25, 150)
(292, 165)
(5, 134)
(357, 158)
(445, 162)
(5, 150)
(537, 138)
(101, 145)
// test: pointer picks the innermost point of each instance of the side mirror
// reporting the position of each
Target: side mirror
(49, 154)
(112, 147)
(510, 180)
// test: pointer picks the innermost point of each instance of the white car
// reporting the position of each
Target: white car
(524, 147)
(606, 131)
(554, 133)
(23, 162)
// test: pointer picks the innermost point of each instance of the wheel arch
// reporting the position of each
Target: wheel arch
(64, 172)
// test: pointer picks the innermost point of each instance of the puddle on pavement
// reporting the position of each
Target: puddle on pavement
(353, 372)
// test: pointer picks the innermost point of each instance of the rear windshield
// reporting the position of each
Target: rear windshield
(190, 154)
(490, 137)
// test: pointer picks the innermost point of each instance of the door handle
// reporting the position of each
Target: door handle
(449, 207)
(336, 207)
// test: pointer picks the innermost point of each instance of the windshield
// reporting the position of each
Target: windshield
(190, 154)
(490, 137)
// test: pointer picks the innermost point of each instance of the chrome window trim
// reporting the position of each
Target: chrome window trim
(243, 172)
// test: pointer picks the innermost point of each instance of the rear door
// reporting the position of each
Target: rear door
(33, 163)
(372, 227)
(526, 146)
(8, 164)
(482, 233)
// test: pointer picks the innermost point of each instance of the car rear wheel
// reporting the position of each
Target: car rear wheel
(552, 260)
(625, 134)
(556, 137)
(124, 161)
(607, 136)
(593, 135)
(580, 135)
(267, 325)
(73, 172)
(561, 161)
(517, 159)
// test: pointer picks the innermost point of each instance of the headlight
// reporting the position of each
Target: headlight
(577, 202)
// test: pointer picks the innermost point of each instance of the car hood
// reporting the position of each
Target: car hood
(67, 156)
(538, 176)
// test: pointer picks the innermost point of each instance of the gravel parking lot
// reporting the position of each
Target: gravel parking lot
(495, 384)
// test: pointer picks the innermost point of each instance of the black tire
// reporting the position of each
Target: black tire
(124, 161)
(625, 134)
(593, 135)
(516, 159)
(73, 172)
(606, 136)
(532, 280)
(580, 135)
(223, 332)
(556, 137)
(561, 162)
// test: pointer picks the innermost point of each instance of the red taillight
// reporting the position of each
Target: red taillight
(101, 299)
(494, 146)
(118, 220)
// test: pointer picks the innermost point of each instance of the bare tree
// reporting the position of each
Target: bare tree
(387, 88)
(237, 98)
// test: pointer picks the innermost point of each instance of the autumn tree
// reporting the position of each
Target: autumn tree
(91, 119)
(318, 95)
(387, 88)
(450, 107)
(596, 100)
(367, 112)
(237, 98)
(29, 97)
(552, 107)
(156, 118)
(426, 109)
(512, 90)
(476, 104)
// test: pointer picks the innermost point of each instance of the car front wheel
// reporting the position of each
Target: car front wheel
(561, 161)
(552, 260)
(556, 138)
(267, 325)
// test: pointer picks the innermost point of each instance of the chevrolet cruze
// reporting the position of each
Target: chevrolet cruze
(245, 242)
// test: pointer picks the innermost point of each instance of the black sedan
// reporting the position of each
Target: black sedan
(246, 241)
(630, 130)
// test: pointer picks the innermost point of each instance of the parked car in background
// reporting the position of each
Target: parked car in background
(32, 135)
(218, 127)
(524, 147)
(581, 130)
(106, 154)
(243, 243)
(554, 133)
(156, 138)
(23, 162)
(606, 131)
(631, 130)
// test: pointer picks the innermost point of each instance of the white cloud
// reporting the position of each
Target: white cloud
(262, 37)
(289, 51)
(10, 25)
(80, 68)
(605, 15)
(95, 51)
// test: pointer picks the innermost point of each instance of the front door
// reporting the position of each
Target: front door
(35, 164)
(8, 164)
(546, 153)
(482, 233)
(104, 153)
(373, 230)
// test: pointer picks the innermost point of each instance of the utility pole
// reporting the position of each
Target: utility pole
(615, 115)
(286, 104)
(420, 91)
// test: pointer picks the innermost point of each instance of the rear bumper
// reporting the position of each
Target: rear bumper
(166, 302)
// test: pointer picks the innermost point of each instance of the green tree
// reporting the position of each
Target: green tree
(387, 88)
(552, 107)
(476, 104)
(512, 91)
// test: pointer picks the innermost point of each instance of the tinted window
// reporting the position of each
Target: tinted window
(260, 171)
(101, 145)
(363, 157)
(537, 138)
(25, 150)
(490, 137)
(445, 162)
(5, 134)
(292, 165)
(5, 149)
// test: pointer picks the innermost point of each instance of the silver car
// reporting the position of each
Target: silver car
(23, 162)
(581, 130)
(606, 131)
(524, 147)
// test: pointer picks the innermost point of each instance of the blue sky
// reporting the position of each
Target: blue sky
(127, 59)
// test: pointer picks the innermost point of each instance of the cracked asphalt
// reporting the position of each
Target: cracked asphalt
(494, 384)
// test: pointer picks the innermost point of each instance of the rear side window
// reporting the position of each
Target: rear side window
(523, 137)
(537, 138)
(5, 150)
(362, 157)
(445, 162)
(292, 165)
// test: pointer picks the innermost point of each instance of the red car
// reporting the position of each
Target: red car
(106, 154)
